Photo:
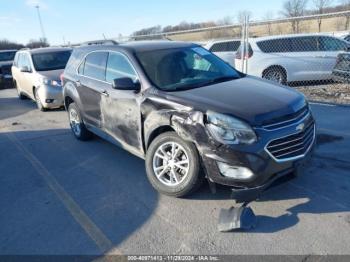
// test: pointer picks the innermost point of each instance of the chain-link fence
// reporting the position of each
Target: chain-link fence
(309, 53)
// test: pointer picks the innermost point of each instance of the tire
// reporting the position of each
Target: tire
(37, 101)
(180, 183)
(20, 95)
(276, 74)
(76, 123)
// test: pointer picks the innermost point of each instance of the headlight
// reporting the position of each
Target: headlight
(230, 130)
(49, 82)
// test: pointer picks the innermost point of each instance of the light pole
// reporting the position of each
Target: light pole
(41, 23)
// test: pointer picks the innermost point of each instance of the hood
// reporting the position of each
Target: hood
(249, 98)
(52, 75)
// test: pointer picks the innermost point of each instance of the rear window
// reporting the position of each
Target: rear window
(7, 56)
(51, 61)
(230, 46)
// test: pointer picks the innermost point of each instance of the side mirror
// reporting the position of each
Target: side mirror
(125, 83)
(25, 69)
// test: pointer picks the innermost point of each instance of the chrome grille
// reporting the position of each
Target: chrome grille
(287, 119)
(292, 146)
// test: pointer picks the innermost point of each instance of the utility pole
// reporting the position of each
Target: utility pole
(41, 23)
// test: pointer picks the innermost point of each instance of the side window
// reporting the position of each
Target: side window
(118, 66)
(25, 61)
(20, 60)
(282, 45)
(95, 65)
(305, 44)
(331, 44)
(230, 46)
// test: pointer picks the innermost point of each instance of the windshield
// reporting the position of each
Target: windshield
(7, 56)
(51, 61)
(184, 68)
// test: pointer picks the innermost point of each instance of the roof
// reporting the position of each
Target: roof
(9, 50)
(257, 39)
(47, 50)
(140, 46)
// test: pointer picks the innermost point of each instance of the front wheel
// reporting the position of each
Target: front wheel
(76, 123)
(275, 74)
(173, 166)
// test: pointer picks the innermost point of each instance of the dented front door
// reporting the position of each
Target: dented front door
(120, 109)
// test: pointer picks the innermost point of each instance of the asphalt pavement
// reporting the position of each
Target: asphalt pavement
(62, 196)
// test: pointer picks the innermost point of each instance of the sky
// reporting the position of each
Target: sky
(82, 20)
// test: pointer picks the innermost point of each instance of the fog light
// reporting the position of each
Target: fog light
(49, 101)
(235, 172)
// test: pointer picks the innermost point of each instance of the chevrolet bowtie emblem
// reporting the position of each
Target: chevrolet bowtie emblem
(300, 127)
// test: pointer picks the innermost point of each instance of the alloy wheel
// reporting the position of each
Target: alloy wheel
(74, 121)
(171, 164)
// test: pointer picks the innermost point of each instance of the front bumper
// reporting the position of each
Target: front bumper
(265, 168)
(51, 96)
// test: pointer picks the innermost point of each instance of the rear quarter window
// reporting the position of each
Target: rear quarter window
(230, 46)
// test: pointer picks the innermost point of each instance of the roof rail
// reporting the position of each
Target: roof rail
(24, 48)
(100, 42)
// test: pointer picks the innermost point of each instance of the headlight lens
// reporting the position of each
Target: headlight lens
(46, 81)
(230, 130)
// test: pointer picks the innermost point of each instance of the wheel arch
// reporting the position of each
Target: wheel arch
(156, 132)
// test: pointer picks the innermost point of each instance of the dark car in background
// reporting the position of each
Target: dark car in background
(341, 71)
(189, 115)
(6, 61)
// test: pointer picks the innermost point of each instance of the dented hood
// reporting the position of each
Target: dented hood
(249, 98)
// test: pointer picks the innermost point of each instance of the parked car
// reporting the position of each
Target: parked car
(188, 113)
(6, 60)
(288, 58)
(341, 71)
(36, 75)
(225, 49)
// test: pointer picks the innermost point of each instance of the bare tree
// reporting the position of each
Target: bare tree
(346, 6)
(268, 16)
(6, 44)
(321, 5)
(294, 8)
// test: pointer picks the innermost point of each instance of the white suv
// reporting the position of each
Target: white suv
(225, 49)
(36, 75)
(288, 58)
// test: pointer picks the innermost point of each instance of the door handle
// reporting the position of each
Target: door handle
(105, 93)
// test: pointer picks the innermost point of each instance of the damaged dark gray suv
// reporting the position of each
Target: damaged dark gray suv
(189, 115)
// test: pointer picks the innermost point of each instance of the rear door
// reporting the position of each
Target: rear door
(91, 85)
(307, 59)
(121, 116)
(26, 77)
(330, 48)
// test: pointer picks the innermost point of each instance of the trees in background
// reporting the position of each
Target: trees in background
(294, 8)
(321, 6)
(6, 44)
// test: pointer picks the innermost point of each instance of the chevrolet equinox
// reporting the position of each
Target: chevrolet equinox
(188, 114)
